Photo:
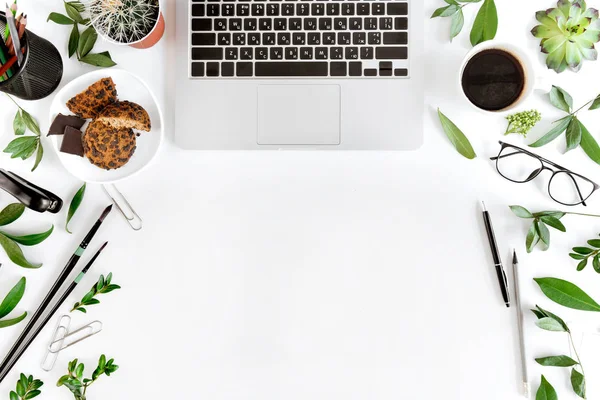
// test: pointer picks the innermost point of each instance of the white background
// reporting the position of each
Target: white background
(321, 275)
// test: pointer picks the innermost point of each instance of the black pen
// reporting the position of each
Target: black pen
(496, 256)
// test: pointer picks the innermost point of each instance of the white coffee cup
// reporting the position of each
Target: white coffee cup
(531, 80)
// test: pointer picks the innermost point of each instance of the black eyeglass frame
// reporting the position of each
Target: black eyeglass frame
(543, 161)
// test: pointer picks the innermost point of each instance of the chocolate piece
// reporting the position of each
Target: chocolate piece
(62, 121)
(72, 142)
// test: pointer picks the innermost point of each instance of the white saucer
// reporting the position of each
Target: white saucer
(129, 87)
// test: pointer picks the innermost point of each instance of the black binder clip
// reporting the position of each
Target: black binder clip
(32, 196)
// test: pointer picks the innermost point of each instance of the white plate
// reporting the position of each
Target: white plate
(129, 87)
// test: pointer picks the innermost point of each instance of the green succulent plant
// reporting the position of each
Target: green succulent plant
(568, 33)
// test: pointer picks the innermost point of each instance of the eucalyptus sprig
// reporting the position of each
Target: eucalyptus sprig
(551, 322)
(10, 302)
(81, 44)
(23, 147)
(10, 243)
(77, 384)
(584, 254)
(27, 388)
(101, 287)
(576, 133)
(485, 25)
(539, 232)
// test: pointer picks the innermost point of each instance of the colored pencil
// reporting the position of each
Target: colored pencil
(14, 33)
(15, 353)
(11, 61)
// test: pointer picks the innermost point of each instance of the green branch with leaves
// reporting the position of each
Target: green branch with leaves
(10, 242)
(77, 384)
(485, 25)
(24, 147)
(584, 254)
(27, 388)
(9, 303)
(576, 133)
(538, 232)
(103, 286)
(81, 44)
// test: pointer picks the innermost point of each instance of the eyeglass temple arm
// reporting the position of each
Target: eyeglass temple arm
(578, 191)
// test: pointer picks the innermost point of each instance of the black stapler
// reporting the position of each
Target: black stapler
(32, 196)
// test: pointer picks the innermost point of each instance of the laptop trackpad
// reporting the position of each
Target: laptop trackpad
(298, 114)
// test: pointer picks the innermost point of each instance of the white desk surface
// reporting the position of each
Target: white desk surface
(312, 275)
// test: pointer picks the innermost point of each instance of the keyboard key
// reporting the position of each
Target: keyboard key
(363, 8)
(348, 8)
(224, 39)
(299, 38)
(291, 53)
(338, 68)
(333, 9)
(227, 10)
(325, 24)
(306, 53)
(231, 53)
(212, 10)
(253, 39)
(385, 24)
(314, 38)
(400, 72)
(359, 38)
(212, 69)
(374, 37)
(356, 24)
(250, 24)
(235, 24)
(317, 9)
(366, 53)
(321, 53)
(378, 9)
(290, 68)
(273, 10)
(284, 38)
(328, 38)
(351, 53)
(295, 24)
(261, 53)
(385, 68)
(198, 10)
(340, 24)
(201, 25)
(243, 69)
(242, 10)
(370, 72)
(302, 9)
(246, 53)
(355, 68)
(391, 53)
(397, 8)
(269, 39)
(395, 38)
(336, 53)
(400, 23)
(344, 38)
(227, 69)
(370, 24)
(207, 53)
(202, 39)
(197, 69)
(288, 10)
(258, 9)
(280, 24)
(239, 39)
(220, 24)
(276, 53)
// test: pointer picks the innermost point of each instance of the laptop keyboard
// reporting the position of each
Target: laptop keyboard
(299, 38)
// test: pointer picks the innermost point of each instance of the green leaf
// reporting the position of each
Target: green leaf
(5, 323)
(583, 250)
(549, 324)
(538, 314)
(74, 206)
(18, 124)
(543, 231)
(12, 298)
(39, 156)
(555, 317)
(457, 138)
(100, 283)
(109, 278)
(532, 238)
(559, 127)
(30, 122)
(573, 134)
(521, 212)
(486, 23)
(561, 99)
(458, 21)
(596, 263)
(555, 214)
(102, 362)
(567, 294)
(83, 310)
(22, 147)
(589, 144)
(546, 391)
(79, 371)
(92, 302)
(73, 12)
(110, 288)
(11, 213)
(578, 383)
(59, 19)
(553, 222)
(577, 256)
(445, 11)
(594, 243)
(73, 40)
(87, 41)
(32, 394)
(99, 60)
(15, 253)
(556, 361)
(30, 240)
(582, 264)
(20, 389)
(596, 103)
(72, 365)
(13, 396)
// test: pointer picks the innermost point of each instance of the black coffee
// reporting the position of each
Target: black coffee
(493, 79)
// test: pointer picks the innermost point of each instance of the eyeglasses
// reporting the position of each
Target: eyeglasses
(565, 186)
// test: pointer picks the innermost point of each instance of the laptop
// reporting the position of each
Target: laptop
(299, 74)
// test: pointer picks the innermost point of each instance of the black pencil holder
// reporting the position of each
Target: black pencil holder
(41, 71)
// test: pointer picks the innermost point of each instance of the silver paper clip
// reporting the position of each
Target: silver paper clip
(133, 219)
(61, 331)
(75, 337)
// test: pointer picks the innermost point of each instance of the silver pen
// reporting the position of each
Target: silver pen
(520, 325)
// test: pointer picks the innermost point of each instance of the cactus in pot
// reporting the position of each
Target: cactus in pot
(124, 21)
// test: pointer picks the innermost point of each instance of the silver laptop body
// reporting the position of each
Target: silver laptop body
(299, 74)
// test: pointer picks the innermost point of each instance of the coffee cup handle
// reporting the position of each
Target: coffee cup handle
(542, 83)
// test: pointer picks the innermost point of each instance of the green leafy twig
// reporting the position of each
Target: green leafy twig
(539, 232)
(101, 287)
(27, 388)
(485, 25)
(23, 147)
(551, 322)
(576, 133)
(10, 302)
(81, 44)
(456, 137)
(10, 243)
(522, 122)
(583, 254)
(75, 203)
(78, 385)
